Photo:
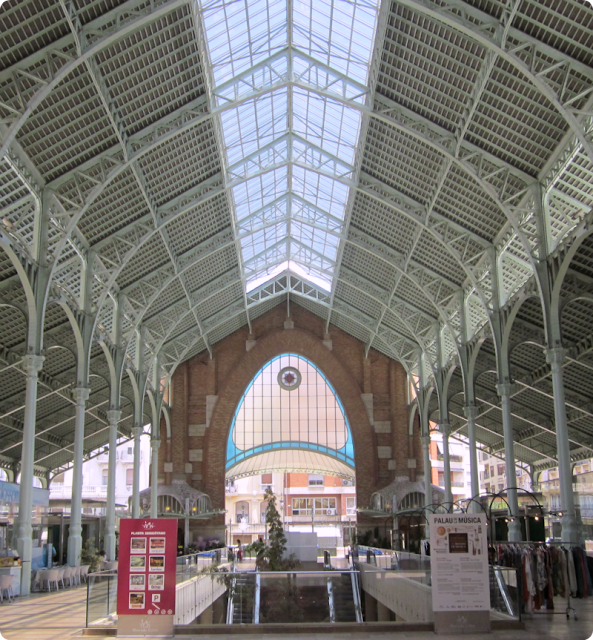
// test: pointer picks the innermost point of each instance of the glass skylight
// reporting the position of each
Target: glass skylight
(288, 89)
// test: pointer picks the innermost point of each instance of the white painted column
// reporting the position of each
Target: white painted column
(113, 415)
(32, 365)
(427, 470)
(81, 395)
(445, 429)
(504, 391)
(154, 476)
(137, 431)
(570, 532)
(471, 411)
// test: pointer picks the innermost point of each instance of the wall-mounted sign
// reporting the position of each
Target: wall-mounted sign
(10, 494)
(459, 565)
(146, 576)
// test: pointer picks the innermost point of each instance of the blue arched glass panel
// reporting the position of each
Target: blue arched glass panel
(289, 404)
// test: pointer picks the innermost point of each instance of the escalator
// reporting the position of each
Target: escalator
(344, 606)
(241, 602)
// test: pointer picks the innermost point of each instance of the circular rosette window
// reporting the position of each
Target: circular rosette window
(289, 378)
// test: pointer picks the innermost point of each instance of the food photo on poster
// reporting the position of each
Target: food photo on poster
(157, 545)
(136, 600)
(138, 545)
(157, 563)
(137, 563)
(156, 582)
(138, 581)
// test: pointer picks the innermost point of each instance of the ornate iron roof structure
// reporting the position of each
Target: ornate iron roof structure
(419, 173)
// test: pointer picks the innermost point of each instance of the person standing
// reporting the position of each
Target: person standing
(239, 551)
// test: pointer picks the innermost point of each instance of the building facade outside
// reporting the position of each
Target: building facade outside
(94, 478)
(459, 462)
(307, 502)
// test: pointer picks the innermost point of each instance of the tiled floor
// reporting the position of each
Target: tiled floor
(61, 615)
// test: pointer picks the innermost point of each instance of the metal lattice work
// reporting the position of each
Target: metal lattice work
(405, 170)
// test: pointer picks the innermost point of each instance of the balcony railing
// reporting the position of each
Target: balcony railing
(452, 458)
(88, 491)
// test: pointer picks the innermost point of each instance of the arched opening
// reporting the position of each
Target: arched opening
(290, 432)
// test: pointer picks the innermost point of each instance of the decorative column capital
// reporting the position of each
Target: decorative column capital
(32, 364)
(471, 411)
(137, 431)
(155, 443)
(556, 356)
(113, 415)
(81, 394)
(504, 389)
(445, 428)
(425, 441)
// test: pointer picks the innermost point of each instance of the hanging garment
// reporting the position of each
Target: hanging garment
(572, 576)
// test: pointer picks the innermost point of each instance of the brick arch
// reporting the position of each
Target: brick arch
(345, 385)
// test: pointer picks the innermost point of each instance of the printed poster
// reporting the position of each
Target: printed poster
(147, 565)
(460, 579)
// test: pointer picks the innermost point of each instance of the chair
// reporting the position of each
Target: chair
(68, 575)
(51, 576)
(76, 575)
(61, 572)
(6, 586)
(35, 581)
(84, 572)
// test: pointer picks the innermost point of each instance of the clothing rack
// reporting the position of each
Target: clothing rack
(567, 545)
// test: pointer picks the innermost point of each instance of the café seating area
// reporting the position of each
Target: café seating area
(59, 578)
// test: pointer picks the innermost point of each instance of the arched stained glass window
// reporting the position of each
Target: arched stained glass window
(289, 404)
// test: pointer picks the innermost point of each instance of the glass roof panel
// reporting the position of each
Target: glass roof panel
(289, 136)
(339, 33)
(254, 124)
(327, 124)
(242, 33)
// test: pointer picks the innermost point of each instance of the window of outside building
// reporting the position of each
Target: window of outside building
(486, 473)
(242, 512)
(262, 511)
(315, 480)
(105, 477)
(351, 506)
(129, 477)
(492, 471)
(130, 451)
(441, 479)
(500, 486)
(314, 506)
(266, 481)
(487, 487)
(500, 469)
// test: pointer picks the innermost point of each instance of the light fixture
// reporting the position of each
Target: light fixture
(560, 513)
(536, 518)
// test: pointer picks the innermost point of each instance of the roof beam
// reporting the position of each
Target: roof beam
(483, 31)
(127, 18)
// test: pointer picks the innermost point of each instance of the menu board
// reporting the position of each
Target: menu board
(459, 565)
(147, 566)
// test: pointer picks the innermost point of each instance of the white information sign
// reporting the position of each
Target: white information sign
(459, 565)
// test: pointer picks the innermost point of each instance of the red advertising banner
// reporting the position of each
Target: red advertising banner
(147, 566)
